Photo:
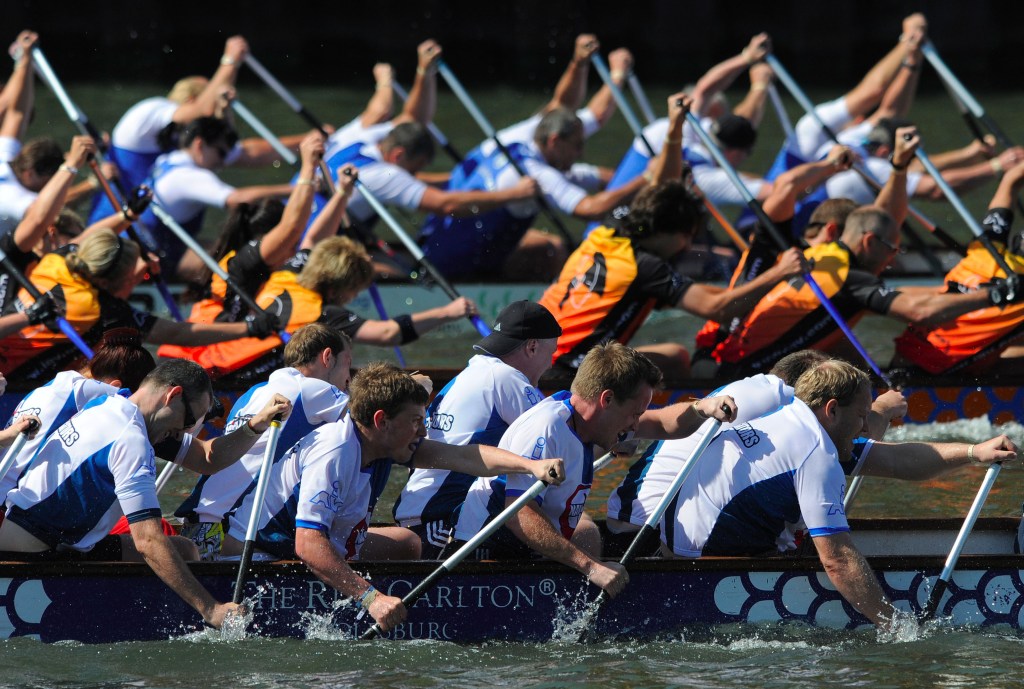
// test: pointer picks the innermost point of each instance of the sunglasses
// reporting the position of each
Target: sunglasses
(888, 245)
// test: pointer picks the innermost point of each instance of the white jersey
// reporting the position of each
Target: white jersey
(475, 407)
(522, 132)
(314, 403)
(641, 490)
(754, 485)
(355, 132)
(320, 484)
(54, 403)
(184, 189)
(543, 432)
(14, 198)
(390, 184)
(95, 467)
(138, 128)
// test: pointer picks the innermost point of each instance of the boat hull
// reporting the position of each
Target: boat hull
(530, 601)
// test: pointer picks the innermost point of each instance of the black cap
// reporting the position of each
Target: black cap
(518, 322)
(733, 131)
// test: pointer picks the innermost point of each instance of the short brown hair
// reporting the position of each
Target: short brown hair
(383, 386)
(121, 356)
(192, 377)
(829, 211)
(830, 380)
(309, 341)
(866, 220)
(43, 156)
(336, 265)
(616, 367)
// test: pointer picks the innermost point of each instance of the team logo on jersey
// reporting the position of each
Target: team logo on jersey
(237, 422)
(441, 422)
(33, 411)
(538, 449)
(533, 395)
(837, 506)
(68, 433)
(570, 517)
(593, 281)
(748, 436)
(331, 501)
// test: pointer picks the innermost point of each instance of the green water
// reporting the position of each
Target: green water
(788, 656)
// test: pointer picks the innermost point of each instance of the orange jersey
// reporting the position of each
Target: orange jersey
(990, 329)
(790, 317)
(605, 292)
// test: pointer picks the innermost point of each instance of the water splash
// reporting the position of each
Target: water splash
(903, 628)
(574, 616)
(965, 430)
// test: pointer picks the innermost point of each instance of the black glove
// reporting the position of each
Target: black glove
(43, 310)
(138, 201)
(1005, 291)
(262, 324)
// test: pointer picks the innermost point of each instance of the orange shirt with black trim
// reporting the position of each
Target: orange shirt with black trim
(994, 328)
(37, 353)
(790, 317)
(605, 292)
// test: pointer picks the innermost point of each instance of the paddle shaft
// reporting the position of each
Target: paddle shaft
(257, 507)
(284, 94)
(472, 544)
(649, 531)
(15, 449)
(952, 197)
(961, 540)
(261, 129)
(640, 97)
(773, 231)
(801, 97)
(489, 132)
(851, 492)
(417, 253)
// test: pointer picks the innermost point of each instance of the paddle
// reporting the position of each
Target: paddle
(942, 584)
(634, 125)
(261, 129)
(851, 492)
(973, 224)
(805, 102)
(469, 546)
(85, 127)
(640, 97)
(438, 135)
(649, 531)
(62, 323)
(490, 133)
(773, 231)
(15, 449)
(257, 506)
(780, 111)
(417, 253)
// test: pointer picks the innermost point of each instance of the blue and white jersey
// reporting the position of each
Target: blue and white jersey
(754, 486)
(638, 493)
(134, 144)
(95, 467)
(543, 432)
(475, 407)
(320, 484)
(314, 403)
(14, 197)
(54, 403)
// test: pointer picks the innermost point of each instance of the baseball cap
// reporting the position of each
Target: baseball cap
(518, 322)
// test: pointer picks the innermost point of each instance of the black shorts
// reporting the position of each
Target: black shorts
(502, 545)
(107, 550)
(434, 537)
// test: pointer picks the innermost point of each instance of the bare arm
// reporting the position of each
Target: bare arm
(422, 101)
(596, 206)
(382, 103)
(278, 245)
(752, 106)
(669, 162)
(205, 104)
(329, 220)
(1008, 187)
(853, 578)
(194, 334)
(256, 193)
(464, 203)
(893, 196)
(532, 527)
(210, 456)
(965, 178)
(387, 333)
(314, 548)
(684, 418)
(19, 92)
(925, 306)
(602, 105)
(787, 187)
(719, 77)
(923, 461)
(722, 305)
(484, 460)
(167, 564)
(572, 85)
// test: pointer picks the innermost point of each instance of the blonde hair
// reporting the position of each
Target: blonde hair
(336, 265)
(834, 379)
(104, 259)
(186, 89)
(616, 367)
